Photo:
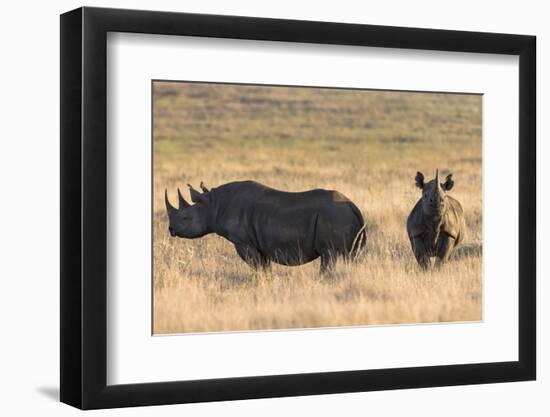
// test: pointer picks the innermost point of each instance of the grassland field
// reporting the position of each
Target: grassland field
(367, 145)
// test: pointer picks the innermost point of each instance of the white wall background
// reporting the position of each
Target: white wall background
(29, 207)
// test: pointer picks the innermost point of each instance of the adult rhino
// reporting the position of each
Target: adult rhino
(268, 225)
(436, 224)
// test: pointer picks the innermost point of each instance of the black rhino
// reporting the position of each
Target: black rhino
(268, 225)
(436, 224)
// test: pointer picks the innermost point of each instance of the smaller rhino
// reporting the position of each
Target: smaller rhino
(436, 224)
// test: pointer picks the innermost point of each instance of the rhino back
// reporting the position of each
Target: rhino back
(273, 220)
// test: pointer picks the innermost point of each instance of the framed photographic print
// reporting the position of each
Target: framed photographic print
(258, 207)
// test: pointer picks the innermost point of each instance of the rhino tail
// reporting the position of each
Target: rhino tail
(360, 239)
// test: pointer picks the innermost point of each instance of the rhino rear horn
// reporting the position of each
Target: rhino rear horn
(182, 202)
(203, 188)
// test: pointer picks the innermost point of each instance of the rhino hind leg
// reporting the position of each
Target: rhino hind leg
(420, 253)
(323, 244)
(252, 256)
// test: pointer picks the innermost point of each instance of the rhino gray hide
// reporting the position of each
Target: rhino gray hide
(267, 225)
(436, 223)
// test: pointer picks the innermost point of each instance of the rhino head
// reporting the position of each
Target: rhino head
(434, 194)
(190, 220)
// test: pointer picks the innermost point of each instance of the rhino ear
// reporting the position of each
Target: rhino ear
(448, 184)
(196, 197)
(419, 180)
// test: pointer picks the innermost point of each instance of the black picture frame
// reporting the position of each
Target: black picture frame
(84, 207)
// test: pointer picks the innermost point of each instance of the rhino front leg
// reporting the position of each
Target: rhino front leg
(420, 253)
(252, 256)
(445, 248)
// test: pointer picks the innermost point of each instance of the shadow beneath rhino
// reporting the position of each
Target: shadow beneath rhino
(470, 250)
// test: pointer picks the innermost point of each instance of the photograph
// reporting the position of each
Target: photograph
(297, 207)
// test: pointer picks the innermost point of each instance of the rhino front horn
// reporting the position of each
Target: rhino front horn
(169, 207)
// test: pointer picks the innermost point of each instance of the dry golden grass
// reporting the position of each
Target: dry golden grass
(365, 144)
